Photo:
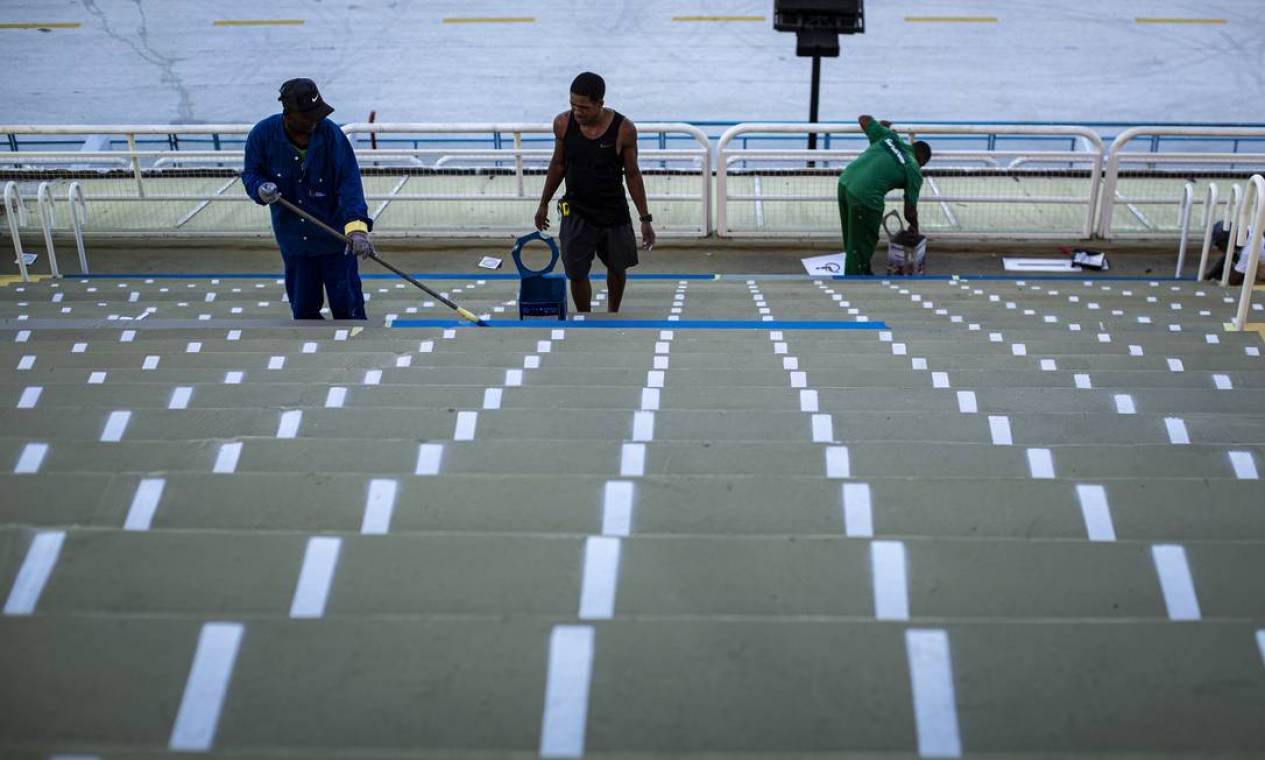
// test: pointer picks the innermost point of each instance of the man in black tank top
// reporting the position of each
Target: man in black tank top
(595, 151)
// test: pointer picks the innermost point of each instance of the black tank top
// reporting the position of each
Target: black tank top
(595, 175)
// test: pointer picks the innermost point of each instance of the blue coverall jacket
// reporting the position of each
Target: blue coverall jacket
(326, 184)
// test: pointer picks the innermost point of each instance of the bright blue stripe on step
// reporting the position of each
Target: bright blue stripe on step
(652, 324)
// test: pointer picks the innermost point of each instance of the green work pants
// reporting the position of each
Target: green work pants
(860, 233)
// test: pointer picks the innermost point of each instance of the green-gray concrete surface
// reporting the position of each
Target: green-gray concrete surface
(1003, 518)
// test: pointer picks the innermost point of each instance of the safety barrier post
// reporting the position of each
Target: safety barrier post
(136, 164)
(78, 215)
(1183, 224)
(1231, 224)
(1209, 219)
(48, 218)
(15, 212)
(518, 161)
(1255, 194)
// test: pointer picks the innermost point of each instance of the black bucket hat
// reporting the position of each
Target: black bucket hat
(301, 95)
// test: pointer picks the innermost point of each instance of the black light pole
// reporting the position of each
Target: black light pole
(817, 25)
(813, 100)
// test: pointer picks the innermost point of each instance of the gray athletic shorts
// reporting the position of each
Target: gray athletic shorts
(615, 246)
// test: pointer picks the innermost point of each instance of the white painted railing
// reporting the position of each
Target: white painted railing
(15, 213)
(1083, 159)
(1255, 200)
(1209, 221)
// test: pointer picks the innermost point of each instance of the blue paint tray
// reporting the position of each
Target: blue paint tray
(541, 294)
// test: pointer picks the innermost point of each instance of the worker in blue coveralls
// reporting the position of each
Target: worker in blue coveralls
(302, 156)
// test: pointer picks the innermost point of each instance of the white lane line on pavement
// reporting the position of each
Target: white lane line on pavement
(649, 399)
(823, 428)
(96, 378)
(492, 398)
(513, 378)
(567, 691)
(1019, 349)
(151, 363)
(891, 589)
(531, 361)
(1040, 463)
(426, 347)
(935, 705)
(429, 458)
(204, 692)
(808, 400)
(617, 502)
(1175, 365)
(140, 515)
(466, 424)
(966, 402)
(999, 429)
(180, 397)
(276, 362)
(1124, 404)
(654, 378)
(1175, 582)
(226, 459)
(31, 459)
(838, 464)
(900, 349)
(1222, 382)
(30, 397)
(379, 506)
(643, 426)
(309, 348)
(193, 347)
(404, 361)
(1083, 381)
(939, 379)
(663, 334)
(544, 346)
(36, 569)
(1049, 365)
(1097, 513)
(790, 363)
(26, 362)
(918, 363)
(1135, 351)
(335, 398)
(1177, 432)
(779, 348)
(22, 337)
(128, 336)
(373, 377)
(858, 514)
(662, 347)
(661, 362)
(601, 578)
(115, 426)
(320, 561)
(1244, 466)
(632, 460)
(234, 378)
(799, 379)
(288, 427)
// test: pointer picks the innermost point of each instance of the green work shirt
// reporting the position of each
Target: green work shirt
(887, 164)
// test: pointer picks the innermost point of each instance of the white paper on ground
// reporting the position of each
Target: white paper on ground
(831, 263)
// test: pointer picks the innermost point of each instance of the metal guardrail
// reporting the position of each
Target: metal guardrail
(1255, 195)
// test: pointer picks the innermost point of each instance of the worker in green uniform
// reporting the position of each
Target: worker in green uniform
(887, 164)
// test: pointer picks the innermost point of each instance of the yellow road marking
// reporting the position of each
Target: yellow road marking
(1145, 20)
(718, 18)
(16, 279)
(491, 20)
(261, 22)
(954, 19)
(68, 25)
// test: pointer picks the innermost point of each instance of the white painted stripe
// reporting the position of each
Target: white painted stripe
(30, 397)
(151, 362)
(1176, 430)
(918, 363)
(194, 347)
(838, 463)
(36, 569)
(373, 377)
(939, 379)
(650, 399)
(115, 426)
(180, 397)
(379, 507)
(632, 460)
(775, 335)
(276, 362)
(966, 402)
(426, 347)
(643, 426)
(429, 458)
(891, 589)
(995, 337)
(309, 348)
(1083, 381)
(1210, 338)
(1244, 465)
(543, 346)
(531, 361)
(340, 335)
(999, 428)
(226, 459)
(935, 705)
(234, 334)
(128, 336)
(404, 361)
(662, 347)
(234, 378)
(289, 425)
(26, 362)
(654, 378)
(140, 515)
(567, 691)
(1176, 582)
(204, 692)
(600, 579)
(320, 561)
(31, 459)
(899, 349)
(513, 378)
(1096, 512)
(492, 398)
(1019, 349)
(660, 362)
(1040, 463)
(799, 379)
(823, 428)
(1135, 351)
(79, 348)
(335, 398)
(617, 508)
(466, 424)
(209, 298)
(1260, 643)
(1175, 365)
(1124, 404)
(22, 336)
(808, 401)
(1222, 382)
(790, 362)
(96, 378)
(779, 348)
(885, 336)
(858, 514)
